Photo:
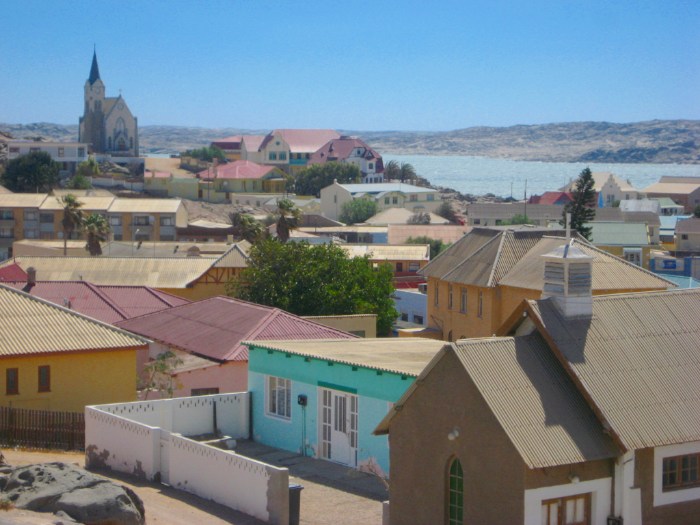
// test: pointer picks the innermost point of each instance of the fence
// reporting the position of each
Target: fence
(42, 429)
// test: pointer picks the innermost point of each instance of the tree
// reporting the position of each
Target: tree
(311, 180)
(96, 229)
(288, 218)
(245, 226)
(33, 172)
(421, 217)
(582, 205)
(446, 211)
(316, 280)
(436, 245)
(72, 218)
(206, 153)
(392, 170)
(159, 374)
(88, 168)
(407, 172)
(357, 210)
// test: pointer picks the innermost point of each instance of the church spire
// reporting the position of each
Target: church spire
(94, 70)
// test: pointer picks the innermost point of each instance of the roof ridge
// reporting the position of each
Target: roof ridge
(505, 235)
(105, 298)
(483, 247)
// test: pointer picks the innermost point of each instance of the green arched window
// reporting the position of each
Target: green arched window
(455, 493)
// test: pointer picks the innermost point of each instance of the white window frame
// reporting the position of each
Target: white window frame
(278, 397)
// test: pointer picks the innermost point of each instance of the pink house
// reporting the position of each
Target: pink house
(207, 336)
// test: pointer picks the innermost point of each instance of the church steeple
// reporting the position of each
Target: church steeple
(94, 70)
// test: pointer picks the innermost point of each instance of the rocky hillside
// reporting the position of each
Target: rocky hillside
(657, 141)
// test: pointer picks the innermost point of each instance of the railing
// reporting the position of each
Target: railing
(42, 429)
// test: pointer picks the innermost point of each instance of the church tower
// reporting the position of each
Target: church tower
(92, 122)
(107, 123)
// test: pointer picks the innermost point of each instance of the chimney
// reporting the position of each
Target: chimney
(31, 280)
(568, 280)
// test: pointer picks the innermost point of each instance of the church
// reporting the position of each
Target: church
(107, 124)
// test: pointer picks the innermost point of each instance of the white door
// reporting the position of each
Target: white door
(339, 413)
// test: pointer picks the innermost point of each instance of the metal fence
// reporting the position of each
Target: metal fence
(20, 427)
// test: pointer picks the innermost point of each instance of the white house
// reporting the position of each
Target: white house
(67, 154)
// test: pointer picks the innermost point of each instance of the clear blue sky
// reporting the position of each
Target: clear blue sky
(354, 65)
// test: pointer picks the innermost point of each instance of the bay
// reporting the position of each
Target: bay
(503, 177)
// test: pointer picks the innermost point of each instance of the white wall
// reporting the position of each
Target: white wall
(600, 499)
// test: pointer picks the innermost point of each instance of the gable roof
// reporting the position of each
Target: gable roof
(610, 273)
(238, 170)
(12, 272)
(252, 142)
(161, 272)
(638, 361)
(447, 233)
(600, 178)
(401, 216)
(215, 328)
(342, 148)
(484, 255)
(552, 197)
(33, 326)
(673, 188)
(108, 304)
(691, 225)
(407, 356)
(302, 140)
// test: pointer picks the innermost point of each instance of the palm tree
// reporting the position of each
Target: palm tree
(407, 172)
(392, 170)
(288, 217)
(72, 218)
(245, 226)
(97, 230)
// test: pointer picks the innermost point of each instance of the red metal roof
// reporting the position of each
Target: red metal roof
(13, 272)
(228, 143)
(302, 140)
(551, 197)
(240, 169)
(109, 304)
(340, 149)
(215, 327)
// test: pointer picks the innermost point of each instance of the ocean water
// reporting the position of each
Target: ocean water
(482, 175)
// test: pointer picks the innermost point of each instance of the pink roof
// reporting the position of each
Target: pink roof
(551, 197)
(13, 272)
(233, 142)
(240, 169)
(302, 140)
(214, 328)
(252, 142)
(341, 149)
(105, 303)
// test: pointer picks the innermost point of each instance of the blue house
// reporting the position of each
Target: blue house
(324, 398)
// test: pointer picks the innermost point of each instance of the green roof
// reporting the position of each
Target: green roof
(619, 233)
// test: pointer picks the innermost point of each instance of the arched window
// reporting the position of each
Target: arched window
(455, 493)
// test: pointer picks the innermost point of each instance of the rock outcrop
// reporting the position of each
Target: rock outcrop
(70, 491)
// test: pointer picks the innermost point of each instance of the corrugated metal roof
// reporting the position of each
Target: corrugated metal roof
(506, 210)
(21, 200)
(386, 187)
(447, 233)
(691, 225)
(401, 252)
(12, 272)
(235, 257)
(535, 402)
(407, 356)
(108, 304)
(145, 206)
(88, 203)
(215, 327)
(484, 256)
(400, 216)
(638, 358)
(33, 326)
(130, 271)
(609, 272)
(673, 188)
(618, 233)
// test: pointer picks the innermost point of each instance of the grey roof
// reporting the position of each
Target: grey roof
(610, 273)
(384, 187)
(691, 225)
(619, 233)
(502, 210)
(638, 360)
(485, 255)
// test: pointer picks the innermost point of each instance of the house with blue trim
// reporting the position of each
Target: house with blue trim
(324, 398)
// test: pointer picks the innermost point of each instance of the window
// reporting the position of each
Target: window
(283, 155)
(418, 319)
(477, 221)
(12, 381)
(413, 197)
(394, 200)
(115, 221)
(399, 267)
(569, 510)
(404, 316)
(633, 255)
(45, 378)
(141, 220)
(463, 301)
(413, 267)
(34, 150)
(272, 155)
(684, 236)
(6, 233)
(455, 494)
(31, 216)
(386, 200)
(680, 472)
(431, 197)
(204, 391)
(31, 234)
(46, 218)
(480, 306)
(279, 394)
(167, 221)
(14, 149)
(6, 215)
(449, 297)
(370, 166)
(61, 152)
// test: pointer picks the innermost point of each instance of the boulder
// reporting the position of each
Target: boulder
(83, 496)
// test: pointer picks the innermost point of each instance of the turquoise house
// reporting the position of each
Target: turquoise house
(323, 398)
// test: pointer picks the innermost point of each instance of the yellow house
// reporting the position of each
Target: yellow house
(193, 278)
(475, 285)
(52, 358)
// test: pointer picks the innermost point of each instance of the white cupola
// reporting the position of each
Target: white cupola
(568, 280)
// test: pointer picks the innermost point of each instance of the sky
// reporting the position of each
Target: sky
(354, 65)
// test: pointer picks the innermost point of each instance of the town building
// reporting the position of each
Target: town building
(56, 359)
(351, 150)
(107, 123)
(688, 235)
(681, 190)
(502, 213)
(231, 146)
(291, 149)
(610, 188)
(583, 401)
(385, 195)
(67, 154)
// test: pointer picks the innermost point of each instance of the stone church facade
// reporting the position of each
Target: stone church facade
(107, 123)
